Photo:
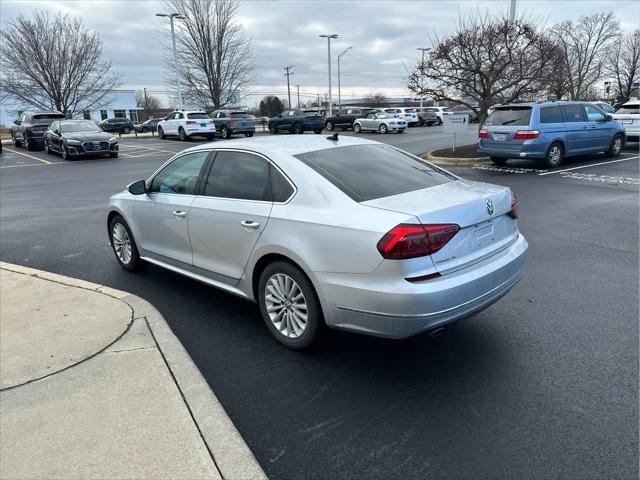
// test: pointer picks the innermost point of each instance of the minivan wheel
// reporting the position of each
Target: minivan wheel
(554, 155)
(499, 161)
(123, 244)
(617, 144)
(289, 305)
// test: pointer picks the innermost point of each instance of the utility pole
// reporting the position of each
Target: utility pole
(329, 37)
(318, 102)
(422, 49)
(288, 74)
(146, 102)
(512, 11)
(173, 16)
(339, 93)
(298, 88)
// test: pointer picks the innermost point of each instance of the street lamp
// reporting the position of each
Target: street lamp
(329, 37)
(172, 16)
(422, 49)
(339, 95)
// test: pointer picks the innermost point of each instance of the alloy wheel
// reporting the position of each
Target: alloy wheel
(286, 305)
(617, 145)
(121, 243)
(555, 155)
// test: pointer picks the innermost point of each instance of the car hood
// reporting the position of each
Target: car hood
(88, 136)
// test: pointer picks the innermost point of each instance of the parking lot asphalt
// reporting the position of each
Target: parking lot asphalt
(541, 385)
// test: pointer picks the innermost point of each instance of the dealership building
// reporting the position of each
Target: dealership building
(118, 103)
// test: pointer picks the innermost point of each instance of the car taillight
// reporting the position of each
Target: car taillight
(189, 122)
(526, 134)
(484, 133)
(232, 121)
(513, 213)
(410, 241)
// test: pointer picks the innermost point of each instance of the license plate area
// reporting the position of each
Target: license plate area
(483, 236)
(627, 121)
(500, 137)
(203, 124)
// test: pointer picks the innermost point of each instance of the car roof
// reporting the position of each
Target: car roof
(289, 145)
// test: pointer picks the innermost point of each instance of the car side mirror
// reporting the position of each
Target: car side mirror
(608, 117)
(137, 188)
(56, 131)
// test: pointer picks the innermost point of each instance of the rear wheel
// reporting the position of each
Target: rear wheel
(123, 244)
(499, 161)
(224, 131)
(64, 151)
(161, 134)
(182, 135)
(113, 154)
(383, 128)
(28, 144)
(617, 144)
(554, 155)
(297, 129)
(439, 122)
(357, 128)
(420, 122)
(289, 305)
(126, 130)
(46, 147)
(248, 134)
(145, 130)
(272, 128)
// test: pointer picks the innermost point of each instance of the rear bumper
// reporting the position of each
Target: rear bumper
(527, 149)
(400, 309)
(197, 130)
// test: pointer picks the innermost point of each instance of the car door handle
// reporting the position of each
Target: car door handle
(250, 224)
(179, 213)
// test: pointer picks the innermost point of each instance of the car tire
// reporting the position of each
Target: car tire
(617, 144)
(317, 130)
(272, 129)
(357, 128)
(421, 122)
(329, 126)
(297, 129)
(28, 145)
(144, 130)
(439, 122)
(64, 151)
(123, 244)
(554, 155)
(499, 161)
(383, 128)
(182, 135)
(47, 150)
(248, 134)
(126, 130)
(16, 142)
(225, 133)
(272, 301)
(161, 134)
(401, 130)
(113, 155)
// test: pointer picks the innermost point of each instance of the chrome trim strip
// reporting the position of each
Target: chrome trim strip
(513, 280)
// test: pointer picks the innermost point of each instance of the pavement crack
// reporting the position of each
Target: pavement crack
(131, 349)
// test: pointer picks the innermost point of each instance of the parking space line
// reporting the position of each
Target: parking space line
(28, 156)
(591, 165)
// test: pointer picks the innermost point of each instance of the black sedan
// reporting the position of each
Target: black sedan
(78, 138)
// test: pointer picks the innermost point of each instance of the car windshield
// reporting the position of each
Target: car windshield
(631, 108)
(239, 115)
(517, 116)
(79, 126)
(197, 116)
(365, 172)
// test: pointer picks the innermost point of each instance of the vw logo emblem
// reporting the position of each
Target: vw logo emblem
(489, 207)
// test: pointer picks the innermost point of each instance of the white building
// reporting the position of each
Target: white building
(119, 104)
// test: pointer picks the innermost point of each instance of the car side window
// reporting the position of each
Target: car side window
(573, 113)
(179, 116)
(281, 189)
(181, 175)
(594, 114)
(342, 112)
(551, 115)
(372, 115)
(238, 175)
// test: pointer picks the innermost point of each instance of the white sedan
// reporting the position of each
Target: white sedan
(629, 116)
(379, 122)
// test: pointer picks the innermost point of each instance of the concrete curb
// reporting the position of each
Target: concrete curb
(227, 447)
(455, 161)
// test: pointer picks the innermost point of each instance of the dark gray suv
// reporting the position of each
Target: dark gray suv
(229, 122)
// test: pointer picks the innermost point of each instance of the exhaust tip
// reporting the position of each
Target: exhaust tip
(436, 332)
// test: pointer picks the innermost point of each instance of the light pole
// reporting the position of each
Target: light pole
(298, 88)
(339, 93)
(329, 37)
(512, 11)
(172, 16)
(422, 49)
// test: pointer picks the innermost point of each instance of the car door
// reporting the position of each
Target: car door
(162, 215)
(552, 126)
(339, 119)
(231, 213)
(601, 130)
(369, 123)
(53, 136)
(578, 129)
(25, 121)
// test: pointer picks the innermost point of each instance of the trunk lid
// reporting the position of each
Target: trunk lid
(480, 210)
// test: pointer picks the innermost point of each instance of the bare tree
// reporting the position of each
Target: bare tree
(556, 74)
(54, 63)
(487, 60)
(585, 45)
(624, 64)
(375, 99)
(214, 56)
(149, 103)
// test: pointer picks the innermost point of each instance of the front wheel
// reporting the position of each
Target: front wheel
(161, 134)
(357, 128)
(248, 134)
(126, 130)
(617, 144)
(16, 142)
(113, 154)
(421, 122)
(554, 155)
(329, 126)
(272, 128)
(145, 130)
(123, 244)
(383, 128)
(289, 305)
(317, 130)
(297, 129)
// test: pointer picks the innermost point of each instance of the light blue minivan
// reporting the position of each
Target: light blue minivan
(549, 131)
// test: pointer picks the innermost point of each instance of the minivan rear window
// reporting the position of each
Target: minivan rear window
(365, 172)
(517, 116)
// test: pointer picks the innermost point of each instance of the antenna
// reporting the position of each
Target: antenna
(333, 137)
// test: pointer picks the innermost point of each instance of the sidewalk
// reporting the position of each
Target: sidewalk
(93, 384)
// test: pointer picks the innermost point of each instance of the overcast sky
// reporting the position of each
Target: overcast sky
(384, 36)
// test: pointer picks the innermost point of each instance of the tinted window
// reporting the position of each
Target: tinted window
(594, 114)
(573, 113)
(518, 116)
(342, 112)
(551, 115)
(239, 115)
(238, 175)
(629, 109)
(281, 189)
(48, 116)
(181, 175)
(364, 172)
(197, 116)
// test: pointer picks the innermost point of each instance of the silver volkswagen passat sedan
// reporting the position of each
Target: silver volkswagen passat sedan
(348, 233)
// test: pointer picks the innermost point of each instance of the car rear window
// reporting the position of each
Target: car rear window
(629, 109)
(239, 115)
(518, 116)
(197, 116)
(365, 172)
(48, 116)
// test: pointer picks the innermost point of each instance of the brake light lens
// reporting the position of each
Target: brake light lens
(232, 121)
(484, 133)
(526, 134)
(411, 241)
(513, 213)
(189, 122)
